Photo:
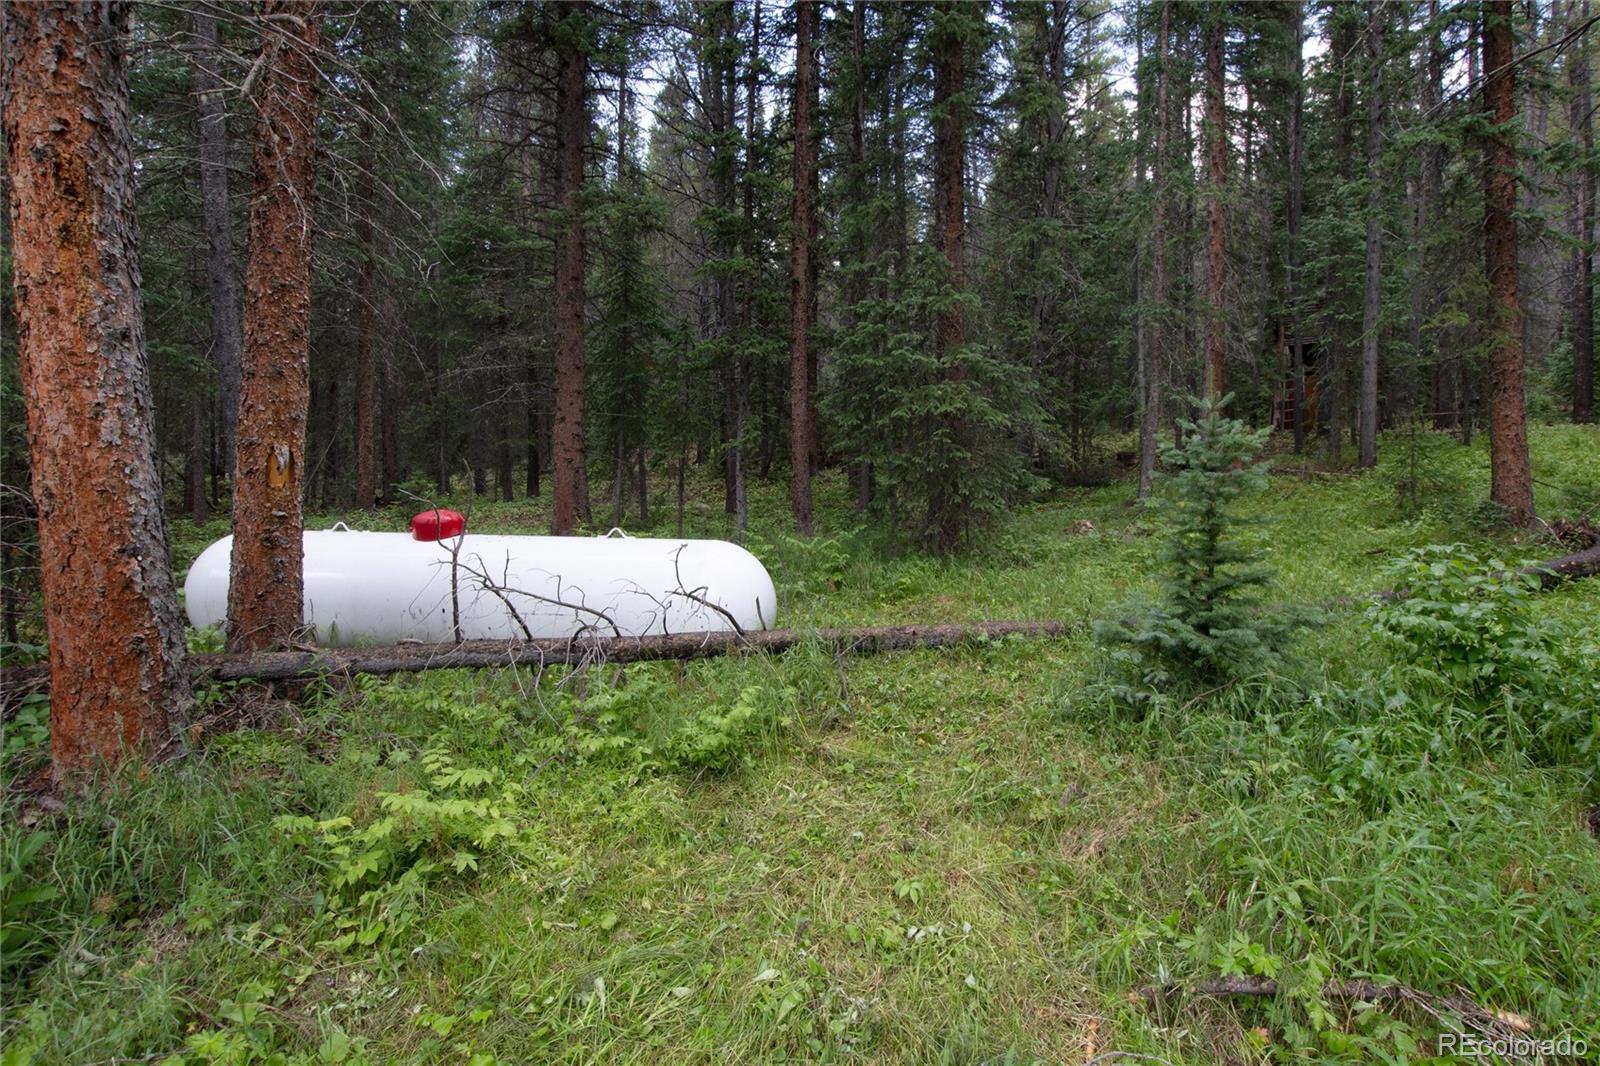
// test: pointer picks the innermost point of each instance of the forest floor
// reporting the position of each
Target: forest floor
(956, 856)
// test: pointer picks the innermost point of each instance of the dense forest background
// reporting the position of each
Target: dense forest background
(959, 252)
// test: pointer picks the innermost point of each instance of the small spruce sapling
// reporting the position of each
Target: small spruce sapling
(1209, 625)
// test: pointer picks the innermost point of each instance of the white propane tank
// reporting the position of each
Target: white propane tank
(383, 588)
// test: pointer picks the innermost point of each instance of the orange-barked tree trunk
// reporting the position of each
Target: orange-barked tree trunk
(1510, 478)
(570, 468)
(802, 425)
(111, 609)
(266, 583)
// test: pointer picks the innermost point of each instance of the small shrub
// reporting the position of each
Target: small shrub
(717, 739)
(1209, 625)
(1465, 630)
(1464, 621)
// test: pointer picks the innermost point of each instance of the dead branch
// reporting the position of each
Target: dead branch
(1345, 991)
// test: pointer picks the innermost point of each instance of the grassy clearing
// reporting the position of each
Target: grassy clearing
(962, 856)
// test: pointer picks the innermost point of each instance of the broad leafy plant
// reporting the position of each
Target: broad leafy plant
(1465, 621)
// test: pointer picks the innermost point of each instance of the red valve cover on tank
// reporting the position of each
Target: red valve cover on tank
(437, 524)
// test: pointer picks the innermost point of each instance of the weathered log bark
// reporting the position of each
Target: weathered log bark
(1510, 475)
(264, 593)
(1345, 991)
(1585, 563)
(411, 658)
(110, 604)
(571, 504)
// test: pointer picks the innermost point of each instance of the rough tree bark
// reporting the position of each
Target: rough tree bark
(1510, 478)
(1373, 293)
(802, 291)
(1217, 178)
(265, 581)
(111, 608)
(222, 288)
(570, 468)
(1582, 124)
(1155, 366)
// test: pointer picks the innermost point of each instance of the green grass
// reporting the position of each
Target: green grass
(957, 856)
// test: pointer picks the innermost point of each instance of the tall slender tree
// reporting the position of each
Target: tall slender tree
(1293, 217)
(572, 126)
(1582, 124)
(111, 608)
(945, 518)
(1155, 368)
(1216, 194)
(266, 582)
(222, 287)
(1510, 476)
(803, 295)
(364, 379)
(1372, 294)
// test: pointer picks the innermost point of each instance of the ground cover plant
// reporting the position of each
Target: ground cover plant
(972, 855)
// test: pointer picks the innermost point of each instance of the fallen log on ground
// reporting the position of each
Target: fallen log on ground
(409, 658)
(1552, 572)
(1347, 992)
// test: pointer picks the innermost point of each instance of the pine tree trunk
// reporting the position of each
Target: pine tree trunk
(571, 505)
(800, 281)
(1511, 480)
(1155, 368)
(332, 456)
(194, 466)
(1582, 124)
(1445, 398)
(1373, 292)
(222, 287)
(391, 397)
(1217, 244)
(366, 487)
(531, 412)
(1296, 209)
(266, 582)
(946, 519)
(111, 608)
(855, 278)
